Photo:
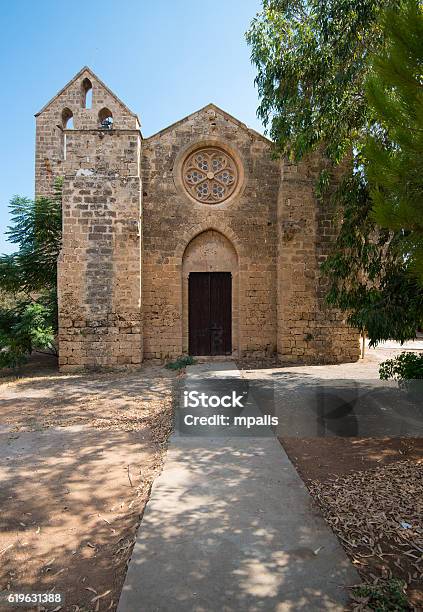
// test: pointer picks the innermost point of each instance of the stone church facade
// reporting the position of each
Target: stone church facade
(192, 241)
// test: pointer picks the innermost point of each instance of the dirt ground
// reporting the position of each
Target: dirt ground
(371, 492)
(324, 458)
(78, 455)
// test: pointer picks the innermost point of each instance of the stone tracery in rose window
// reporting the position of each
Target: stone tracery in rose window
(210, 175)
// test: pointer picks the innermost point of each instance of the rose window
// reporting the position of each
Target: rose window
(210, 175)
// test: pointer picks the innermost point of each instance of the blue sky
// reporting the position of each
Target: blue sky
(163, 58)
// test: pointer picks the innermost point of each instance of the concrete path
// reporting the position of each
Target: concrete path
(229, 527)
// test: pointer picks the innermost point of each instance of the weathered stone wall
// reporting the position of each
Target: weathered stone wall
(172, 220)
(127, 251)
(50, 121)
(308, 330)
(99, 268)
(99, 283)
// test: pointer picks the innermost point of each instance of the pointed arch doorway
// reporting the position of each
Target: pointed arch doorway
(210, 296)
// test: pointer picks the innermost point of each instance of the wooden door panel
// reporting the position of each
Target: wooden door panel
(220, 313)
(210, 313)
(199, 313)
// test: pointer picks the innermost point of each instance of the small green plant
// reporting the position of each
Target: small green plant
(387, 597)
(181, 363)
(403, 367)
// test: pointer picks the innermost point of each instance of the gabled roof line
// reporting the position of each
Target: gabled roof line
(219, 110)
(87, 69)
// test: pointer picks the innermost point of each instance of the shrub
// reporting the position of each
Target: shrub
(26, 327)
(180, 363)
(403, 367)
(28, 279)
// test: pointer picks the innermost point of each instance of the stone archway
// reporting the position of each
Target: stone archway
(210, 251)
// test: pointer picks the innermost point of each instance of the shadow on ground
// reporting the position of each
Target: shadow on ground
(78, 455)
(230, 527)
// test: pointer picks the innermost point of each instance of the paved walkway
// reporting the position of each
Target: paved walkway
(229, 527)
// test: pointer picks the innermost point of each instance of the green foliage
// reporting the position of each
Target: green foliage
(403, 367)
(387, 597)
(310, 57)
(181, 363)
(367, 274)
(28, 326)
(37, 230)
(323, 183)
(394, 150)
(28, 278)
(312, 60)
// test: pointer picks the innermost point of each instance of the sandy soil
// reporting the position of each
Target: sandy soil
(323, 458)
(78, 455)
